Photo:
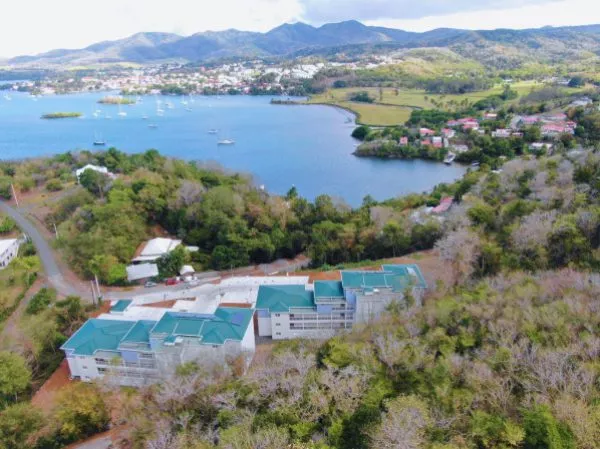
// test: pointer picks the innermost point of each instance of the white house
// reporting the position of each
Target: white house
(9, 249)
(156, 248)
(141, 272)
(96, 168)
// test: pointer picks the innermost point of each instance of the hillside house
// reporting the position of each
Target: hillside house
(424, 132)
(9, 249)
(96, 168)
(403, 141)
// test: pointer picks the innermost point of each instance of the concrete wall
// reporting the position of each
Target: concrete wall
(9, 254)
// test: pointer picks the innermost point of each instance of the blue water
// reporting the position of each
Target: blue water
(281, 146)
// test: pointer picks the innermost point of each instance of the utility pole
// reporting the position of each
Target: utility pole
(55, 230)
(98, 288)
(93, 293)
(14, 194)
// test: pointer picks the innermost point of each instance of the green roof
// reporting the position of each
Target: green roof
(97, 334)
(396, 277)
(121, 305)
(227, 323)
(328, 289)
(366, 279)
(280, 298)
(140, 332)
(411, 273)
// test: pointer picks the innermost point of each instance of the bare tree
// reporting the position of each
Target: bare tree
(403, 425)
(460, 249)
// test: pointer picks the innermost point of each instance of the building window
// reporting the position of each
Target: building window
(84, 367)
(277, 333)
(277, 315)
(277, 324)
(102, 370)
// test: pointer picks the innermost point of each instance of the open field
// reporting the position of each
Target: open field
(394, 106)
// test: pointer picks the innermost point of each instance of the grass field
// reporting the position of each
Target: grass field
(394, 108)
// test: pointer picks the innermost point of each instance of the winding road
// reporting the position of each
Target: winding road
(55, 277)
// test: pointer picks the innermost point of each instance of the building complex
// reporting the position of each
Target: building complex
(145, 338)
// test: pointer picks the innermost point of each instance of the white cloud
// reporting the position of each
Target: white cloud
(33, 26)
(560, 13)
(335, 10)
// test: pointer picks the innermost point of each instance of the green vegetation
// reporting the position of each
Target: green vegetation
(232, 222)
(116, 100)
(59, 115)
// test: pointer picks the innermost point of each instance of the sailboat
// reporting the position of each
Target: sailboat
(153, 126)
(121, 113)
(99, 141)
(144, 117)
(213, 131)
(226, 142)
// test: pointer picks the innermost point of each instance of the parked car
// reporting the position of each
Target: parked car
(150, 284)
(172, 281)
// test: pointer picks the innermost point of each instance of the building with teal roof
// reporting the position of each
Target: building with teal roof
(299, 311)
(140, 351)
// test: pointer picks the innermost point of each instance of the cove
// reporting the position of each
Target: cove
(280, 146)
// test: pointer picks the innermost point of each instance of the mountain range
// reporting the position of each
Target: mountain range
(291, 40)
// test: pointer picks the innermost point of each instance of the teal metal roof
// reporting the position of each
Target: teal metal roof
(280, 298)
(396, 277)
(366, 279)
(97, 334)
(328, 289)
(227, 323)
(411, 274)
(121, 305)
(140, 332)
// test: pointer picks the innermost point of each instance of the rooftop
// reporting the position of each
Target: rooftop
(227, 323)
(328, 289)
(142, 271)
(409, 273)
(97, 334)
(280, 298)
(120, 305)
(159, 246)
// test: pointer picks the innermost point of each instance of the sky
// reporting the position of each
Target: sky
(34, 26)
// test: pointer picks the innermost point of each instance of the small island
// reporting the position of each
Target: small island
(57, 115)
(116, 100)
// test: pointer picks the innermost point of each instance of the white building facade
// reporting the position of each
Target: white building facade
(9, 249)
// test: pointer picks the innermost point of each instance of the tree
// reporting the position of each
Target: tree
(544, 431)
(576, 81)
(17, 423)
(361, 132)
(40, 301)
(80, 412)
(396, 238)
(461, 249)
(403, 425)
(15, 375)
(95, 182)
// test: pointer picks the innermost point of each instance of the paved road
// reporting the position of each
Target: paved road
(45, 253)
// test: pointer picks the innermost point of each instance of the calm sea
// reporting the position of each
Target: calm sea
(281, 146)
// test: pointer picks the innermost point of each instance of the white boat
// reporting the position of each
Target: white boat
(169, 105)
(226, 142)
(153, 125)
(189, 109)
(449, 158)
(108, 117)
(99, 141)
(213, 131)
(7, 97)
(121, 113)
